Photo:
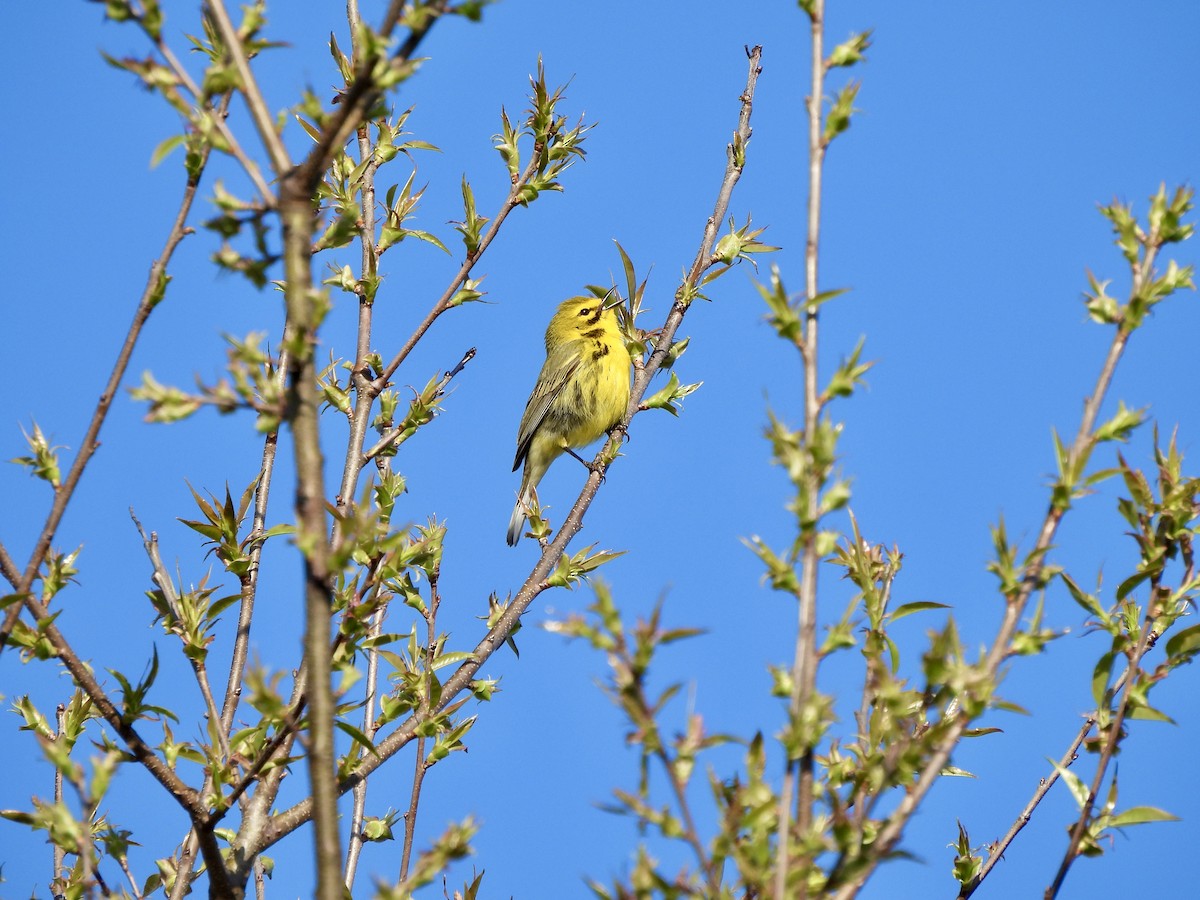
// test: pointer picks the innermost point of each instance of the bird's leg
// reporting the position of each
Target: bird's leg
(587, 464)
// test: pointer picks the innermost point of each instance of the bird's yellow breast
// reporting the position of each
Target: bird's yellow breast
(595, 398)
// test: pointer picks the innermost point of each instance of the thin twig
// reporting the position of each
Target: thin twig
(369, 721)
(691, 834)
(863, 805)
(420, 765)
(8, 568)
(259, 114)
(996, 851)
(185, 872)
(360, 95)
(365, 389)
(368, 728)
(704, 259)
(163, 579)
(249, 581)
(85, 850)
(396, 436)
(210, 704)
(241, 643)
(365, 393)
(258, 805)
(511, 202)
(58, 854)
(804, 666)
(123, 862)
(1110, 747)
(161, 576)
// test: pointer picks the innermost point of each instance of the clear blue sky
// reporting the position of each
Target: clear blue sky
(960, 211)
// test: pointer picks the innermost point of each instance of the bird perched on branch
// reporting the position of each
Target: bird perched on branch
(581, 392)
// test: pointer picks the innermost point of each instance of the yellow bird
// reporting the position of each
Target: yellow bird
(581, 392)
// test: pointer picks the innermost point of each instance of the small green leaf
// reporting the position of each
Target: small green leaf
(909, 608)
(1073, 782)
(838, 119)
(980, 732)
(849, 52)
(163, 150)
(1183, 645)
(1139, 815)
(1150, 714)
(358, 737)
(1100, 679)
(451, 659)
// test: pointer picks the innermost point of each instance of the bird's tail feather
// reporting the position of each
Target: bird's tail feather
(517, 521)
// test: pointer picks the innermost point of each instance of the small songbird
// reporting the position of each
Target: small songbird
(581, 393)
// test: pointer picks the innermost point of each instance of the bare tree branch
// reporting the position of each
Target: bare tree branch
(303, 401)
(58, 855)
(8, 569)
(420, 766)
(368, 728)
(804, 666)
(996, 851)
(1110, 747)
(264, 123)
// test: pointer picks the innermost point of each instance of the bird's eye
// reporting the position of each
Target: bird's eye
(586, 311)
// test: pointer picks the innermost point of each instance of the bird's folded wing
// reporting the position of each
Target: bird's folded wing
(560, 367)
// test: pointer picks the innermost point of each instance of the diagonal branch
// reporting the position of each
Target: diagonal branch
(8, 568)
(1106, 754)
(704, 259)
(141, 751)
(511, 202)
(996, 851)
(152, 294)
(259, 114)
